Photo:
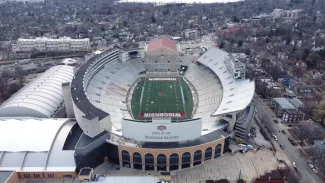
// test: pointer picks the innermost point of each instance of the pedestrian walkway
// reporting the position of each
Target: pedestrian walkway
(246, 166)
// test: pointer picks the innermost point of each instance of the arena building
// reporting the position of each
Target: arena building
(42, 97)
(153, 110)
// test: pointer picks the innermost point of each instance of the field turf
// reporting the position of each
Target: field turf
(162, 95)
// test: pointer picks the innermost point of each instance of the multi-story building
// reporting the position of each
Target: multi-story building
(280, 105)
(295, 13)
(292, 116)
(191, 33)
(64, 44)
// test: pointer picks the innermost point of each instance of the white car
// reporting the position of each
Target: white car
(275, 138)
(294, 165)
(315, 171)
(311, 165)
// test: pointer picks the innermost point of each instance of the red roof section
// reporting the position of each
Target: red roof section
(162, 42)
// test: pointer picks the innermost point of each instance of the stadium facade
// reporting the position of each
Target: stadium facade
(151, 132)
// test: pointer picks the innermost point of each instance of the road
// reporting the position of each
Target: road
(292, 153)
(7, 62)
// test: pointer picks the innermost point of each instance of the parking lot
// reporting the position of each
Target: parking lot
(248, 166)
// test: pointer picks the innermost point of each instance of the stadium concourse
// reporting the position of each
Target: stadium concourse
(157, 111)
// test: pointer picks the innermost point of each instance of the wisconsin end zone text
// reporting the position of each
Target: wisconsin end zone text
(162, 115)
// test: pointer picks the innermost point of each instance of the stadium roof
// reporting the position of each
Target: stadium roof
(35, 145)
(284, 103)
(5, 175)
(162, 42)
(42, 97)
(237, 93)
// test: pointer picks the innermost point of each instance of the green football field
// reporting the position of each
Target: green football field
(162, 97)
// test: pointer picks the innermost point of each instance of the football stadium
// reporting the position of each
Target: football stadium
(149, 109)
(158, 110)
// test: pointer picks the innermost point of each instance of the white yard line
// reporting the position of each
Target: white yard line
(179, 82)
(142, 94)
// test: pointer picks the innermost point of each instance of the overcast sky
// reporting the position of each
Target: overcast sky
(187, 1)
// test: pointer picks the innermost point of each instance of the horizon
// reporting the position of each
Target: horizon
(181, 1)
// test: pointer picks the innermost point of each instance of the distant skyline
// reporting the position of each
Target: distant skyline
(182, 1)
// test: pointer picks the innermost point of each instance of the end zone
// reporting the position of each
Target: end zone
(162, 115)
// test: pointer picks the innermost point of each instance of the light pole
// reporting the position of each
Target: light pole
(239, 173)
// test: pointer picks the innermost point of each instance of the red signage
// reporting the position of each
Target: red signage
(162, 115)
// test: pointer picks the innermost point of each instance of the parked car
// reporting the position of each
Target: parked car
(315, 171)
(249, 147)
(292, 141)
(311, 165)
(259, 116)
(284, 132)
(275, 121)
(281, 146)
(294, 165)
(275, 138)
(290, 125)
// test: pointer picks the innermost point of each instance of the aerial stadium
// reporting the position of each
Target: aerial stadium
(158, 110)
(149, 109)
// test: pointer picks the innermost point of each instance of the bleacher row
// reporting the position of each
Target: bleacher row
(49, 181)
(208, 88)
(237, 93)
(107, 90)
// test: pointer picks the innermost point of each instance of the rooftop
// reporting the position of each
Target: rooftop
(320, 144)
(162, 42)
(4, 175)
(45, 155)
(42, 97)
(284, 103)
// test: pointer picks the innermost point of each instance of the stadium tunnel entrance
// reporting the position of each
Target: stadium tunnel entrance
(186, 160)
(149, 162)
(173, 162)
(161, 162)
(137, 161)
(197, 157)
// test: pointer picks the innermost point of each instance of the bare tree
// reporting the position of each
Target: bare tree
(19, 74)
(318, 97)
(4, 77)
(317, 81)
(301, 134)
(298, 72)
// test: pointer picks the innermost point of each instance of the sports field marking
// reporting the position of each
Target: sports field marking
(182, 95)
(142, 95)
